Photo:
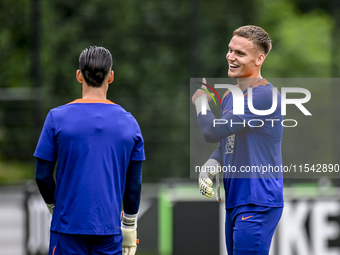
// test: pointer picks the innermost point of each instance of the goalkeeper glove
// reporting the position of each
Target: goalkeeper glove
(129, 231)
(209, 170)
(50, 208)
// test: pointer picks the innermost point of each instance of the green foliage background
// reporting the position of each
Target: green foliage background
(157, 46)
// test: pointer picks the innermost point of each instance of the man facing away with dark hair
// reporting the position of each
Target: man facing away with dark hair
(253, 199)
(99, 150)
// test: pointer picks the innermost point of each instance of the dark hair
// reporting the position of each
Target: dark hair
(257, 35)
(95, 64)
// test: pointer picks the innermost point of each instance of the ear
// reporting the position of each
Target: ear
(79, 76)
(111, 77)
(260, 59)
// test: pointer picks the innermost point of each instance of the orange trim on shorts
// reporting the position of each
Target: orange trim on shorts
(86, 101)
(54, 250)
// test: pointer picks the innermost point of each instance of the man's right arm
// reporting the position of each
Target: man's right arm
(215, 130)
(45, 181)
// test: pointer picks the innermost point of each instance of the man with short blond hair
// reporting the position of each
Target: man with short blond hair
(254, 200)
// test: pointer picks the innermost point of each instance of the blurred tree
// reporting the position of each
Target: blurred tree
(301, 41)
(16, 117)
(15, 44)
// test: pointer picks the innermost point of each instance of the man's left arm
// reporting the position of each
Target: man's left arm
(131, 201)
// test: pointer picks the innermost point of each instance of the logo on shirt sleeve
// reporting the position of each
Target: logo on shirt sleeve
(229, 147)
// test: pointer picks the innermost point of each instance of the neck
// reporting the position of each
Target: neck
(245, 83)
(94, 93)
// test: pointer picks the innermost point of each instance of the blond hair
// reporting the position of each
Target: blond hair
(257, 35)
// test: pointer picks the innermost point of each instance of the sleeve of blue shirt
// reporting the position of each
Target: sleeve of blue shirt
(217, 154)
(45, 181)
(46, 147)
(133, 186)
(215, 133)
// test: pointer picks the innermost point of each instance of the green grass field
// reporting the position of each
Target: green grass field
(13, 172)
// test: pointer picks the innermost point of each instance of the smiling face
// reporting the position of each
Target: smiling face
(243, 58)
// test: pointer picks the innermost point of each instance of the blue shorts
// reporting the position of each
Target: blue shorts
(249, 229)
(65, 244)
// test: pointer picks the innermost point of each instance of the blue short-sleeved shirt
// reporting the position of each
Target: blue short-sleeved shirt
(93, 142)
(252, 149)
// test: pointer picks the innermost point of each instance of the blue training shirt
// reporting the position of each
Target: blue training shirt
(252, 149)
(93, 142)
